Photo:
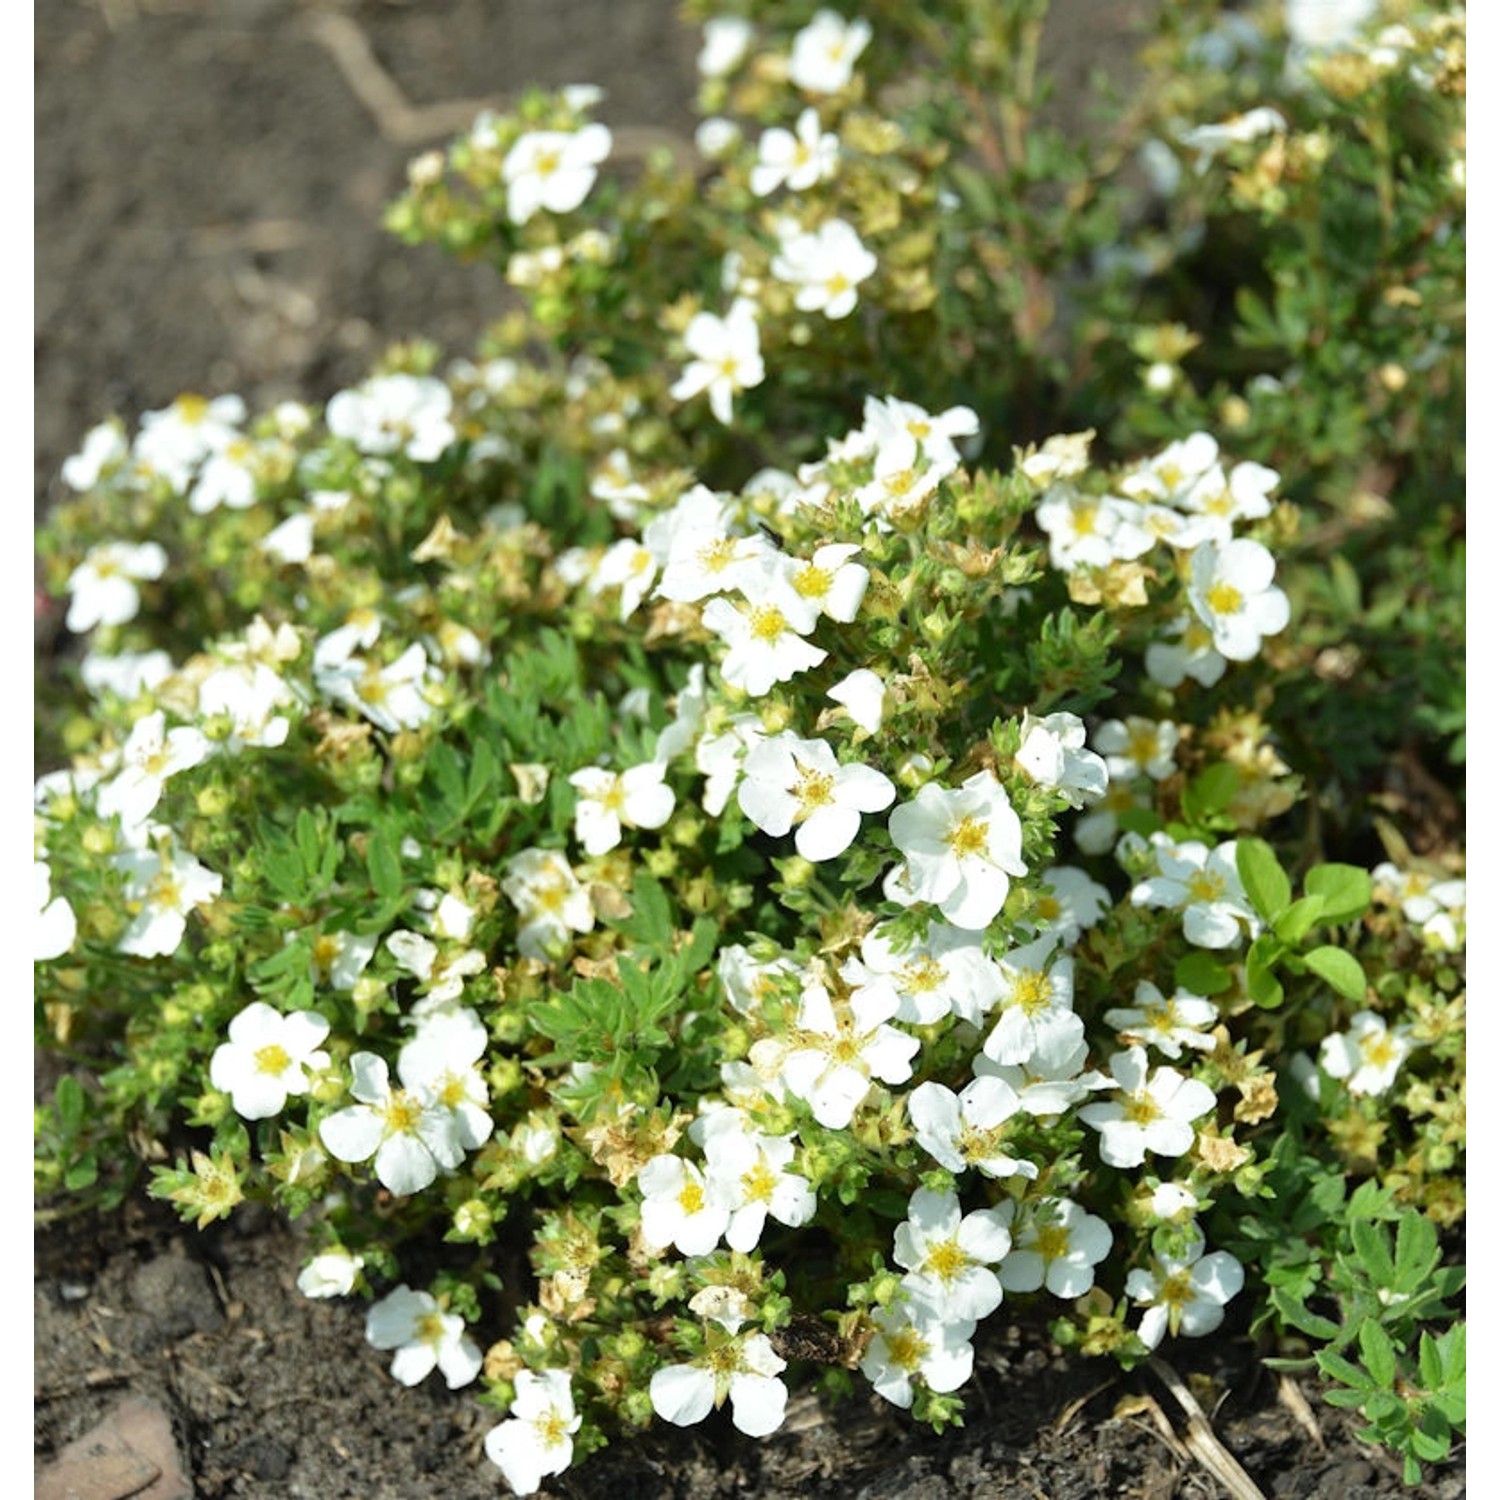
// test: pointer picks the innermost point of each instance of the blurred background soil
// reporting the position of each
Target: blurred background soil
(210, 176)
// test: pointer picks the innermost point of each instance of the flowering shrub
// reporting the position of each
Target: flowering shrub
(810, 788)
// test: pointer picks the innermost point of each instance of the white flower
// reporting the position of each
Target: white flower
(824, 52)
(681, 1207)
(742, 1370)
(424, 1338)
(1136, 746)
(797, 161)
(56, 926)
(826, 267)
(227, 478)
(1056, 1245)
(967, 1130)
(390, 697)
(1069, 901)
(716, 137)
(1154, 1114)
(1368, 1055)
(1320, 25)
(961, 847)
(161, 888)
(1231, 592)
(126, 675)
(862, 694)
(553, 170)
(753, 1168)
(1167, 1025)
(1209, 140)
(150, 755)
(410, 414)
(1052, 754)
(765, 645)
(1185, 1295)
(441, 1062)
(611, 801)
(946, 972)
(411, 1134)
(1191, 655)
(701, 549)
(550, 901)
(1091, 531)
(838, 1052)
(748, 982)
(172, 442)
(103, 585)
(721, 759)
(726, 40)
(267, 1058)
(537, 1438)
(330, 1274)
(947, 1255)
(104, 447)
(888, 418)
(629, 567)
(913, 1341)
(1204, 884)
(829, 581)
(292, 541)
(725, 358)
(790, 781)
(1050, 1081)
(1036, 994)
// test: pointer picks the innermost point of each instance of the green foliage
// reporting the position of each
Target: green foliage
(502, 764)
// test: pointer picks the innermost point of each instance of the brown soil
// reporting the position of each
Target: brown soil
(209, 180)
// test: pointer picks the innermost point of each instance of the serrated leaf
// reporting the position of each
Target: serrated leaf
(1264, 880)
(1339, 969)
(1417, 1251)
(1372, 1247)
(1298, 920)
(1345, 890)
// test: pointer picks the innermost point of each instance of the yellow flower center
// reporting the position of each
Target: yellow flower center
(767, 623)
(429, 1329)
(814, 789)
(547, 163)
(551, 1428)
(945, 1260)
(1084, 519)
(718, 555)
(907, 1348)
(1141, 1109)
(165, 892)
(837, 284)
(968, 837)
(551, 895)
(402, 1112)
(1205, 885)
(759, 1183)
(1051, 1241)
(1224, 599)
(1378, 1051)
(690, 1199)
(923, 976)
(813, 582)
(192, 409)
(1032, 991)
(1177, 1289)
(272, 1059)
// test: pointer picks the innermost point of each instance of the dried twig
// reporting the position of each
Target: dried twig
(1201, 1440)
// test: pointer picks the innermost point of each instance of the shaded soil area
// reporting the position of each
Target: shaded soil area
(209, 181)
(272, 1395)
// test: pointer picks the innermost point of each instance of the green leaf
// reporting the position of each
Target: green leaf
(385, 867)
(1261, 983)
(1373, 1247)
(1265, 882)
(1336, 1367)
(1298, 920)
(1210, 792)
(1340, 969)
(70, 1102)
(1201, 975)
(1379, 1353)
(1345, 890)
(1417, 1252)
(1295, 1314)
(83, 1173)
